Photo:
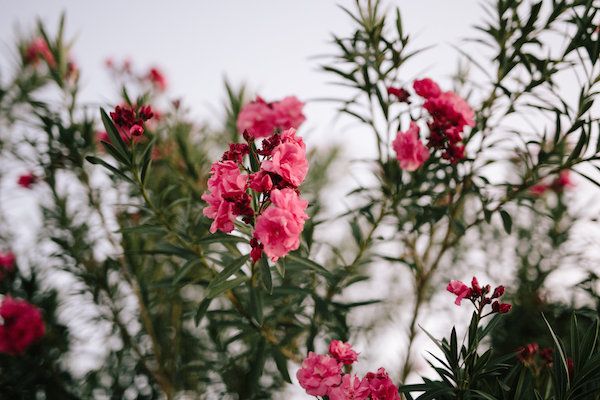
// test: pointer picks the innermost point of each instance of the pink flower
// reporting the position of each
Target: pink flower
(257, 119)
(351, 388)
(318, 374)
(157, 78)
(226, 182)
(260, 182)
(342, 352)
(22, 325)
(381, 386)
(38, 49)
(450, 114)
(129, 121)
(459, 289)
(260, 119)
(279, 227)
(7, 263)
(27, 180)
(563, 181)
(288, 159)
(411, 153)
(289, 113)
(426, 88)
(452, 109)
(539, 189)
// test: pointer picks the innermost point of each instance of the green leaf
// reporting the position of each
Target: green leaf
(225, 286)
(115, 137)
(99, 161)
(265, 274)
(202, 308)
(506, 221)
(229, 270)
(305, 262)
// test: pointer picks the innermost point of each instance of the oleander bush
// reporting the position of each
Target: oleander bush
(203, 253)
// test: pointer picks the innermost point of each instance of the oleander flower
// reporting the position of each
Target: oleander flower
(226, 187)
(260, 119)
(426, 88)
(459, 289)
(381, 386)
(38, 50)
(157, 78)
(318, 374)
(7, 263)
(351, 388)
(278, 228)
(27, 180)
(342, 352)
(410, 151)
(289, 113)
(129, 121)
(22, 325)
(288, 159)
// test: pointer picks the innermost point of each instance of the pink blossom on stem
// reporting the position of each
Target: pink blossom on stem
(226, 182)
(351, 388)
(318, 374)
(342, 352)
(410, 152)
(459, 289)
(381, 386)
(279, 227)
(288, 159)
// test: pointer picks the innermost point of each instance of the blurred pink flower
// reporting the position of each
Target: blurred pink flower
(410, 151)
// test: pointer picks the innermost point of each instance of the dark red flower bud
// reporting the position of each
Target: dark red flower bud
(499, 291)
(475, 287)
(527, 352)
(256, 252)
(146, 113)
(400, 93)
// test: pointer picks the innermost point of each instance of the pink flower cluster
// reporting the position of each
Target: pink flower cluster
(322, 375)
(558, 185)
(260, 119)
(265, 192)
(21, 325)
(7, 264)
(448, 113)
(479, 295)
(129, 121)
